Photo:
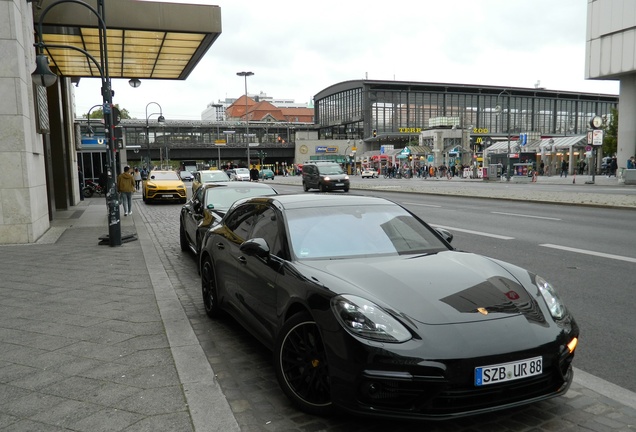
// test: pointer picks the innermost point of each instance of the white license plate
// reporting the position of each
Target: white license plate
(339, 184)
(494, 374)
(168, 196)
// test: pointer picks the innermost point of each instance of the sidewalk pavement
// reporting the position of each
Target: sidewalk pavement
(94, 338)
(576, 189)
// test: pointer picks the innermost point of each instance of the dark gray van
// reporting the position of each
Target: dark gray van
(324, 176)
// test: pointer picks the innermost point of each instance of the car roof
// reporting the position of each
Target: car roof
(237, 185)
(305, 200)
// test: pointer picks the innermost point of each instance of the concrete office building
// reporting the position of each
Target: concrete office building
(611, 55)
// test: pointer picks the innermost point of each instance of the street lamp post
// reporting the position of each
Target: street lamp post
(216, 120)
(89, 131)
(247, 120)
(45, 77)
(161, 120)
(498, 110)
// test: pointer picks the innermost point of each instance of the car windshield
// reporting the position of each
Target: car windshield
(243, 171)
(185, 174)
(340, 231)
(164, 175)
(213, 176)
(223, 197)
(331, 169)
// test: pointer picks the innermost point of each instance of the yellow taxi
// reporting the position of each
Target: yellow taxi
(164, 185)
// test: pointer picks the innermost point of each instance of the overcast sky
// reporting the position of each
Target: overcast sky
(297, 49)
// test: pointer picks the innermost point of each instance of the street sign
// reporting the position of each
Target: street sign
(219, 142)
(597, 137)
(253, 144)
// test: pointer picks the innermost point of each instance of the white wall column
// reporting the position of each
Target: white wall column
(626, 125)
(24, 215)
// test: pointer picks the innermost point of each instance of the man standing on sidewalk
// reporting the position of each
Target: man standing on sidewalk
(564, 169)
(125, 187)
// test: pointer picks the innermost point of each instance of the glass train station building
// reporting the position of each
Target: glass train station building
(441, 123)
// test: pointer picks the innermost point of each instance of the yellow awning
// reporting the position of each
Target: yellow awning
(145, 39)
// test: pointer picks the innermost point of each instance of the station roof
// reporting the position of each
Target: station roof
(145, 39)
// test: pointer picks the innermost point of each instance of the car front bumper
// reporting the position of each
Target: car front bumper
(401, 381)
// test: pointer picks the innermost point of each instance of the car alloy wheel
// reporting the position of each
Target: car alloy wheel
(208, 289)
(301, 365)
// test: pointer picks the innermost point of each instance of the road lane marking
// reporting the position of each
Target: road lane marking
(589, 252)
(527, 216)
(423, 205)
(479, 233)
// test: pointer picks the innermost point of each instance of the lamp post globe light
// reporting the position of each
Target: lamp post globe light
(160, 120)
(498, 110)
(247, 120)
(45, 77)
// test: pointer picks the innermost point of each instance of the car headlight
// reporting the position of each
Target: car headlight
(549, 294)
(367, 320)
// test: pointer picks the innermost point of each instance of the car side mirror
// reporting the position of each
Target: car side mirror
(446, 235)
(255, 247)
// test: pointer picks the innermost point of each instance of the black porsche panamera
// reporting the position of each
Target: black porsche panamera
(353, 296)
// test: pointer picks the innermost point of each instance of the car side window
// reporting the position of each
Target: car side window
(266, 227)
(240, 221)
(198, 196)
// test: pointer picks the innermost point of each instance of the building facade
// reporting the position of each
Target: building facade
(449, 123)
(611, 54)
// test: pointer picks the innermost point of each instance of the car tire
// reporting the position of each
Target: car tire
(300, 361)
(183, 241)
(209, 289)
(346, 189)
(305, 187)
(323, 188)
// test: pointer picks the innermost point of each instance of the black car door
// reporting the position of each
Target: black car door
(257, 277)
(224, 245)
(194, 213)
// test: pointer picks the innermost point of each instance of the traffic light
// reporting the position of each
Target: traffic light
(375, 133)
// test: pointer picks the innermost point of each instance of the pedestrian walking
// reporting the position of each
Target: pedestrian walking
(125, 187)
(137, 177)
(564, 169)
(613, 167)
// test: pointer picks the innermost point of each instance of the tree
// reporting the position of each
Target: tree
(610, 138)
(99, 113)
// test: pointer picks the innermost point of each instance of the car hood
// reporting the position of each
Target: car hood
(165, 184)
(442, 288)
